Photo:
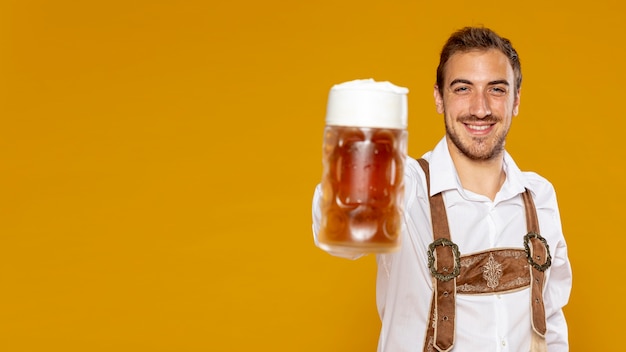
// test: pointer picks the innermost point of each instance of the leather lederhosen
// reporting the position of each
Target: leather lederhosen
(493, 271)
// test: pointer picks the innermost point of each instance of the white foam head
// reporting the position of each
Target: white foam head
(367, 103)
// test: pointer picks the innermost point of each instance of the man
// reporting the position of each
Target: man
(515, 302)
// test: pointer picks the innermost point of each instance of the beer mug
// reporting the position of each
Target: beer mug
(364, 150)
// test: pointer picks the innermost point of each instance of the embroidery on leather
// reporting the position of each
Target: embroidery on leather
(468, 261)
(468, 288)
(513, 253)
(430, 344)
(492, 272)
(518, 282)
(487, 263)
(515, 284)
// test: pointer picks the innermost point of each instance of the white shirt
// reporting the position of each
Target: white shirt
(484, 322)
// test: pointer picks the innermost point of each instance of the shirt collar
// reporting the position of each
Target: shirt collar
(443, 175)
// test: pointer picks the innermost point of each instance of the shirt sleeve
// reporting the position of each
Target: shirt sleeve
(556, 297)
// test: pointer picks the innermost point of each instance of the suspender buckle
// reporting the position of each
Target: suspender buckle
(443, 242)
(529, 255)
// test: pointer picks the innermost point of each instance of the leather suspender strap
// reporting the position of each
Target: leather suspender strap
(539, 258)
(440, 332)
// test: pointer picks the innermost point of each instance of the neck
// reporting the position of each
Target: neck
(484, 177)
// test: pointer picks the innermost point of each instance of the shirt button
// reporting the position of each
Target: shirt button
(503, 343)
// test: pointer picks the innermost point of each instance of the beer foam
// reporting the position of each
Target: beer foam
(367, 103)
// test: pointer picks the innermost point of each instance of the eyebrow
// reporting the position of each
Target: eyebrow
(465, 81)
(459, 80)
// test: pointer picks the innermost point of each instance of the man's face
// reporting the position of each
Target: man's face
(478, 102)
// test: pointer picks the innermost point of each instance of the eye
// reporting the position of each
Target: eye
(461, 89)
(497, 90)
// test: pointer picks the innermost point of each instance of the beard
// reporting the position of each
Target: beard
(478, 148)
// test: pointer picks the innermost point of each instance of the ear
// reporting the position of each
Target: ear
(516, 102)
(438, 99)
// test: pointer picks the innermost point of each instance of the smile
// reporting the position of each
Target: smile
(478, 127)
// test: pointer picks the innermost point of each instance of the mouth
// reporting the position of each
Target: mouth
(478, 129)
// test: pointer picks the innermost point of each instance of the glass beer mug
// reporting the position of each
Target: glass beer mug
(365, 145)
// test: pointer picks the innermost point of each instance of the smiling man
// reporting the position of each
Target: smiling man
(483, 262)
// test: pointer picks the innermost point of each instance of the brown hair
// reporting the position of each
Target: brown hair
(478, 38)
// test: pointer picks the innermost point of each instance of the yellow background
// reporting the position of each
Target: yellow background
(158, 158)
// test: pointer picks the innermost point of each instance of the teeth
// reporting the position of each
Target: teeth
(478, 128)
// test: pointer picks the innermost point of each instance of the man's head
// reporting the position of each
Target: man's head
(478, 38)
(478, 92)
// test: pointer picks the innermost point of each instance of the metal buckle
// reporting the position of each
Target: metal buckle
(541, 267)
(431, 259)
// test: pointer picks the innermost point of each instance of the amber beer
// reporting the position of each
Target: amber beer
(363, 167)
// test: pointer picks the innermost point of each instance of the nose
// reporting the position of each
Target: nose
(479, 105)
